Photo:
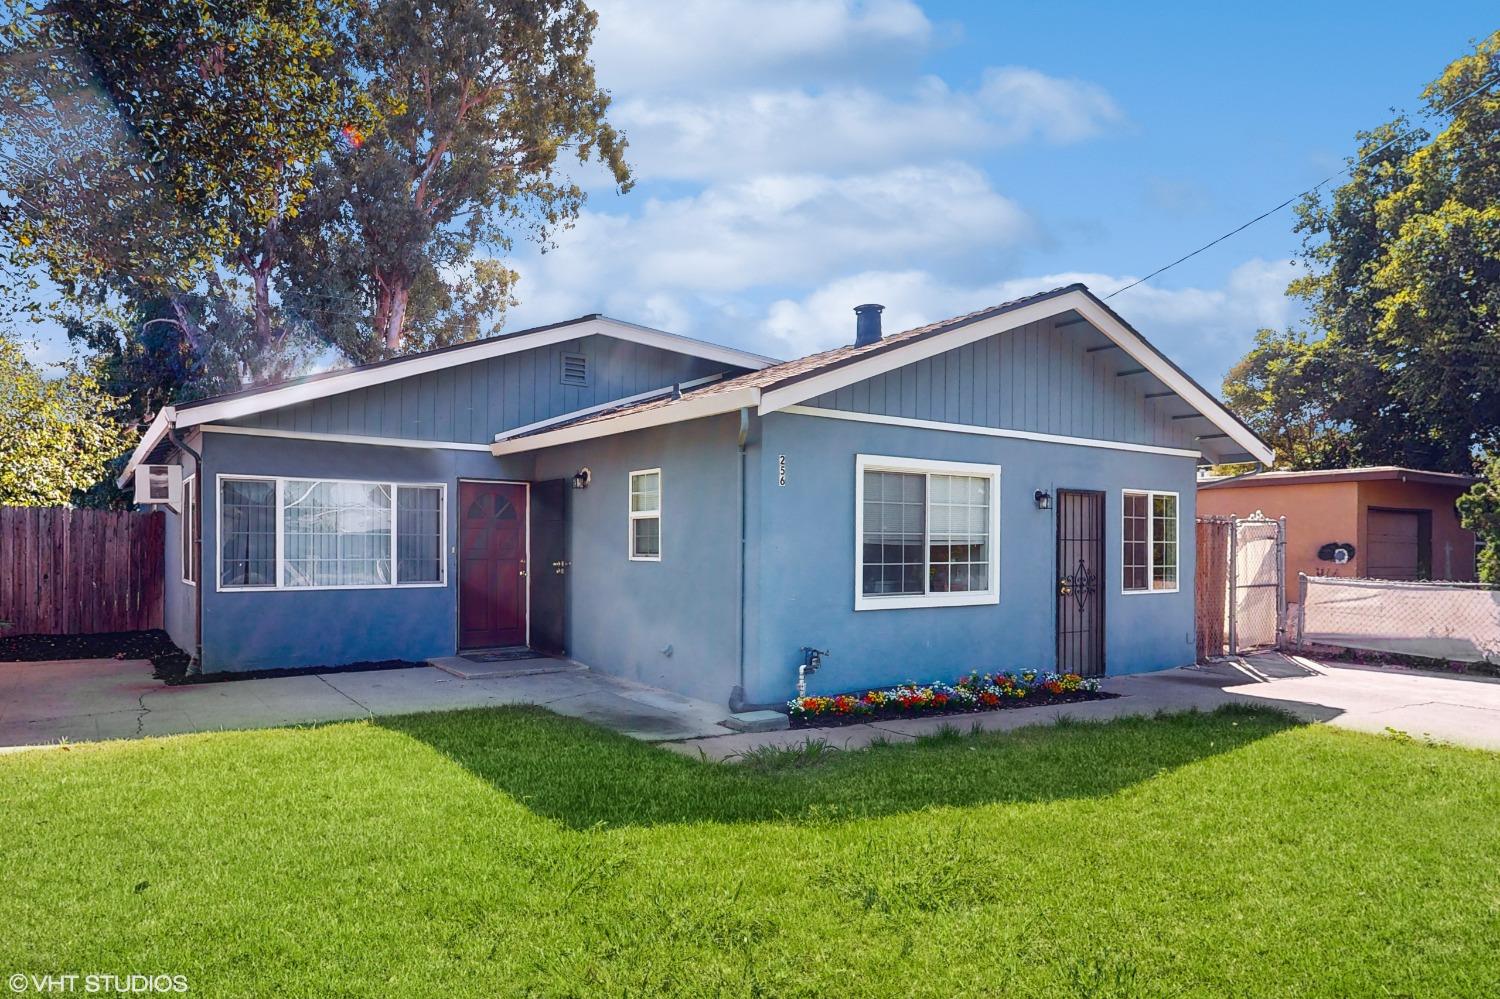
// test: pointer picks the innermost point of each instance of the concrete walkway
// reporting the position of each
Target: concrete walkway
(1461, 710)
(86, 700)
(90, 699)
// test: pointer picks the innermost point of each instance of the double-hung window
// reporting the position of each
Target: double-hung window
(1149, 558)
(277, 533)
(927, 533)
(645, 515)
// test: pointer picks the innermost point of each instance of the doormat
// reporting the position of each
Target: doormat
(503, 656)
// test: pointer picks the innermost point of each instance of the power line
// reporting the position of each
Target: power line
(1311, 190)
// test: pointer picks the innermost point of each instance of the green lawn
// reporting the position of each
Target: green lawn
(510, 851)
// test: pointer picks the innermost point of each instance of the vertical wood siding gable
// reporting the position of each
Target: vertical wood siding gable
(1035, 378)
(470, 403)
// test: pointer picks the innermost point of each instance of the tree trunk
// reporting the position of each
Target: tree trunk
(261, 276)
(393, 313)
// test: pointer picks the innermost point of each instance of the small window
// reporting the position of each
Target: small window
(1149, 537)
(927, 533)
(575, 369)
(645, 515)
(188, 532)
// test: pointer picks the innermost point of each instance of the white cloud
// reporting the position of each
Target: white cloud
(681, 45)
(757, 131)
(1202, 329)
(778, 230)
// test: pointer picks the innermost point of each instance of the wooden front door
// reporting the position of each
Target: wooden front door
(1080, 582)
(491, 564)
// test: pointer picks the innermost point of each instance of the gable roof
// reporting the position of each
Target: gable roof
(779, 386)
(257, 399)
(1363, 474)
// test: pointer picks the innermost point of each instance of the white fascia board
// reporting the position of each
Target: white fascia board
(154, 433)
(291, 395)
(686, 409)
(1175, 380)
(687, 345)
(307, 435)
(836, 378)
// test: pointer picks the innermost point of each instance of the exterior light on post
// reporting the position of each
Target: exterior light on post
(581, 478)
(1043, 499)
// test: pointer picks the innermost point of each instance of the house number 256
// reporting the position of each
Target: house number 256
(781, 469)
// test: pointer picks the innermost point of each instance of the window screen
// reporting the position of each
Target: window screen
(419, 534)
(247, 532)
(336, 533)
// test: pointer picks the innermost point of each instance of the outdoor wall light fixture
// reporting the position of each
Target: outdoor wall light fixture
(1043, 499)
(581, 478)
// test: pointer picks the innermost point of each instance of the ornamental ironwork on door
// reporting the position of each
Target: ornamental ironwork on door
(1080, 582)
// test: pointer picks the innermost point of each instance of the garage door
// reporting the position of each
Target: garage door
(1395, 543)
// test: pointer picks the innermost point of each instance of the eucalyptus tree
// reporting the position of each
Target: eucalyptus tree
(482, 104)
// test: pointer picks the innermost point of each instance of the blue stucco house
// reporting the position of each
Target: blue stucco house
(1010, 488)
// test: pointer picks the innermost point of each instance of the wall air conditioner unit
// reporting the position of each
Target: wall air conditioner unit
(159, 484)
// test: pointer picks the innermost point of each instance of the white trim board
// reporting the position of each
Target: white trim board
(964, 428)
(687, 409)
(308, 435)
(776, 399)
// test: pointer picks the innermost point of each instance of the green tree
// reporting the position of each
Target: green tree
(1480, 510)
(59, 432)
(1404, 282)
(1279, 390)
(155, 150)
(395, 248)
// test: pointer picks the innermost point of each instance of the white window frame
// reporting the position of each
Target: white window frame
(281, 481)
(188, 519)
(924, 466)
(636, 515)
(1150, 495)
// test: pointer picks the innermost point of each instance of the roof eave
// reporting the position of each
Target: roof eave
(158, 429)
(676, 412)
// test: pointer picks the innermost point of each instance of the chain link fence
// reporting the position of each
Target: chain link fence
(1240, 588)
(1458, 622)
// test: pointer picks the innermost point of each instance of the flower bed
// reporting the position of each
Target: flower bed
(974, 692)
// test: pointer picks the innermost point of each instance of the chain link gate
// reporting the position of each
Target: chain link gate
(1241, 584)
(1257, 583)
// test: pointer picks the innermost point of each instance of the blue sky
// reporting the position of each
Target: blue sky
(798, 157)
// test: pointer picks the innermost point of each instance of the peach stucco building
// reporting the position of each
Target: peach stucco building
(1378, 523)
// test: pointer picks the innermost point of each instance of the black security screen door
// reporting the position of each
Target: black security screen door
(1080, 582)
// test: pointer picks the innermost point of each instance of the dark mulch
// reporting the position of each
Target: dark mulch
(890, 714)
(168, 662)
(266, 674)
(107, 645)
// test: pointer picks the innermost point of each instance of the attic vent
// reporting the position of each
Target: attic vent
(575, 369)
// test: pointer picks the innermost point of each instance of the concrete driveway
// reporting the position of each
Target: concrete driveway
(1460, 710)
(89, 699)
(1464, 710)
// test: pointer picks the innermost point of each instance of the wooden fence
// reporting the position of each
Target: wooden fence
(79, 572)
(1211, 586)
